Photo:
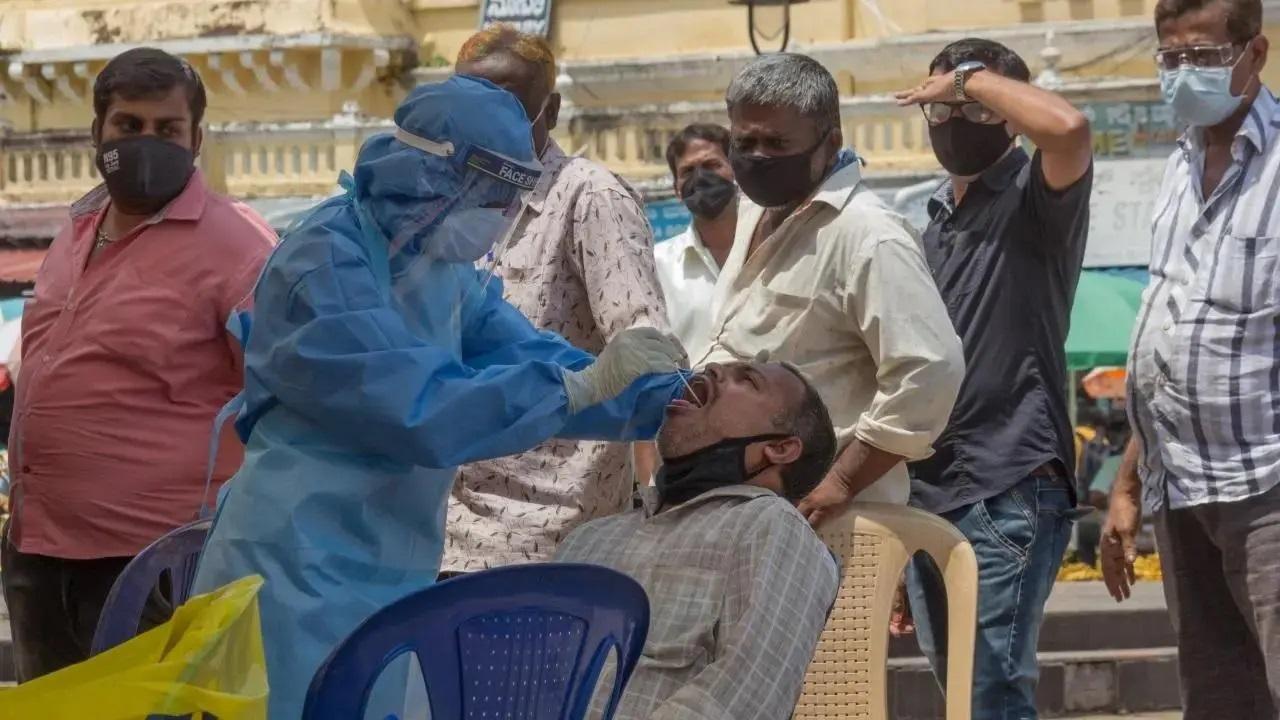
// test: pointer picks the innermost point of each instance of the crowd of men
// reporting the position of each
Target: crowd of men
(840, 357)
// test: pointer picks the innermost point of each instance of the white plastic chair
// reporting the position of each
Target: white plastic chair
(848, 676)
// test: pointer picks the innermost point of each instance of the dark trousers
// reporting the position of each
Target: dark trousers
(1222, 583)
(54, 606)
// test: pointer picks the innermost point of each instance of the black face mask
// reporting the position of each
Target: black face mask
(966, 148)
(144, 173)
(720, 465)
(707, 194)
(775, 181)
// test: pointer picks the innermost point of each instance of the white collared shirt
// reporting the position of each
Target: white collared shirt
(688, 275)
(842, 290)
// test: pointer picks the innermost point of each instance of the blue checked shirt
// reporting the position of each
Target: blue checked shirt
(739, 589)
(1205, 366)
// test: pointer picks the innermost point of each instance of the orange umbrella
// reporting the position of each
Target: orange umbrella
(1105, 383)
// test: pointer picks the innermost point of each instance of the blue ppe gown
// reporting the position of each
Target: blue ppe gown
(367, 381)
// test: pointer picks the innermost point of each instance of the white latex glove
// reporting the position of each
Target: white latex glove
(631, 355)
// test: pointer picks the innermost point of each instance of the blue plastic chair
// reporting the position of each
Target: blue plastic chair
(175, 554)
(525, 642)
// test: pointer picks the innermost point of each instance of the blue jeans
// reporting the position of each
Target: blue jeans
(1019, 537)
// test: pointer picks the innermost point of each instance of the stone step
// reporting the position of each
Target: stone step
(1071, 683)
(1082, 617)
(1081, 631)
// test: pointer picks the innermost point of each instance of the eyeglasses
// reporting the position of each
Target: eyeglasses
(937, 113)
(1203, 56)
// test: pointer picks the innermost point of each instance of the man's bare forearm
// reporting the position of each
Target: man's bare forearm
(861, 464)
(1128, 486)
(1046, 118)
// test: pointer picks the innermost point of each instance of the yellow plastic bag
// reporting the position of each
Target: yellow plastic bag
(205, 663)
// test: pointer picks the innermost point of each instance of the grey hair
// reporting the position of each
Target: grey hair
(788, 80)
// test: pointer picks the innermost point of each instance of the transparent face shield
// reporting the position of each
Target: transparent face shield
(477, 226)
(511, 216)
(482, 214)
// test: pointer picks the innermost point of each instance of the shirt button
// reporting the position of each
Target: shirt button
(1168, 326)
(26, 468)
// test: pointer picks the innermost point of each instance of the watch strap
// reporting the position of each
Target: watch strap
(963, 73)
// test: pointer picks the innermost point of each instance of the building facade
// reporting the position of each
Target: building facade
(296, 85)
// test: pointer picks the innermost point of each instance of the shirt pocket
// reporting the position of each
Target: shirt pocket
(958, 265)
(519, 261)
(1242, 276)
(773, 321)
(524, 263)
(686, 603)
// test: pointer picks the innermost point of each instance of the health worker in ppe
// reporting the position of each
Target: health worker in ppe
(379, 357)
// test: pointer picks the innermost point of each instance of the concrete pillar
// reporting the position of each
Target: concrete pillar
(213, 161)
(346, 145)
(4, 159)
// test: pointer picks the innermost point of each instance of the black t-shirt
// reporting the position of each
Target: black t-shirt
(1007, 262)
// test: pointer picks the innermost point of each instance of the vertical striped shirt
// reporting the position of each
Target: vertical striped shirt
(1205, 365)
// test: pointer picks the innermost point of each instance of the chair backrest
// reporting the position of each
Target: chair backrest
(874, 541)
(526, 642)
(174, 557)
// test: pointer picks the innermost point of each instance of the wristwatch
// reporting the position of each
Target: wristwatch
(963, 71)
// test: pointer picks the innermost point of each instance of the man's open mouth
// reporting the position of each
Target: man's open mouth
(698, 394)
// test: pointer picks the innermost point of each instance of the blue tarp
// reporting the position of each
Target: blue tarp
(11, 308)
(667, 217)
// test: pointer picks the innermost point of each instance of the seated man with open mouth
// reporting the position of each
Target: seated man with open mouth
(739, 585)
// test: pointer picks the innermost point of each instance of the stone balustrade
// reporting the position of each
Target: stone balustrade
(304, 159)
(292, 160)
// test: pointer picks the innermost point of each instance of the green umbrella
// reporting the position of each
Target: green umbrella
(1102, 320)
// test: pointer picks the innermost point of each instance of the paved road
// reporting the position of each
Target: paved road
(1092, 597)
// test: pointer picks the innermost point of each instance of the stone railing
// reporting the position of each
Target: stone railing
(299, 159)
(633, 141)
(46, 168)
(287, 161)
(893, 140)
(303, 159)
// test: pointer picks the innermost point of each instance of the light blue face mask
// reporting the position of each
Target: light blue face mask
(467, 235)
(1201, 95)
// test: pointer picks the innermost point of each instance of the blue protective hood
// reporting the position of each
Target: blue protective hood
(406, 189)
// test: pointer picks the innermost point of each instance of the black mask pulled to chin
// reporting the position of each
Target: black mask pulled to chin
(720, 465)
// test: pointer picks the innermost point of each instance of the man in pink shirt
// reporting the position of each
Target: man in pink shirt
(126, 361)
